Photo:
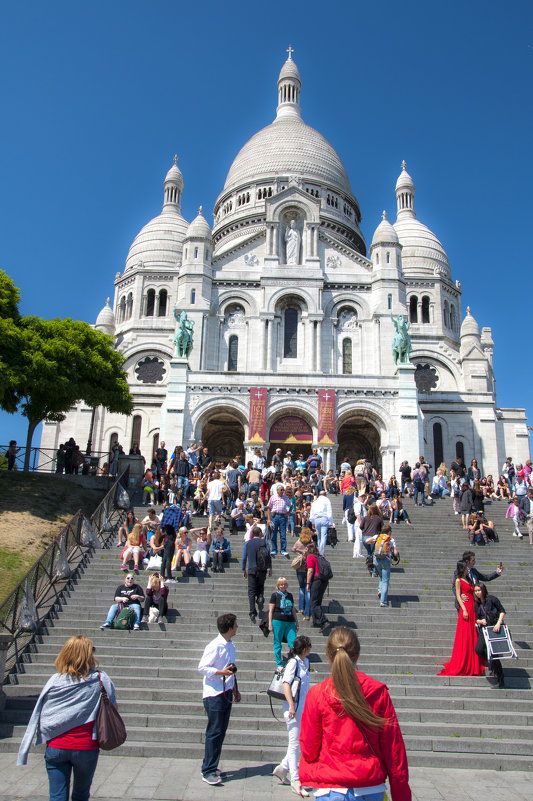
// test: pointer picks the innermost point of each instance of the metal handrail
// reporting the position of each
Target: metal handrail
(42, 580)
(43, 460)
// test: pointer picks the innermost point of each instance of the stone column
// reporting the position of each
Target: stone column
(173, 407)
(268, 355)
(410, 419)
(318, 347)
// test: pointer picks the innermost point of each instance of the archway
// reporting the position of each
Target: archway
(290, 433)
(223, 436)
(359, 439)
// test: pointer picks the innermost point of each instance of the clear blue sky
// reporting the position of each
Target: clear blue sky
(97, 97)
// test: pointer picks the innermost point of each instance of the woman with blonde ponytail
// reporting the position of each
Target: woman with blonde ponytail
(350, 738)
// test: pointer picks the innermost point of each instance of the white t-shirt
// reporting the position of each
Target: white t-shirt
(214, 490)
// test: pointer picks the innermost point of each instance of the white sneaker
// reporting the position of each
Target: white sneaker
(281, 773)
(297, 789)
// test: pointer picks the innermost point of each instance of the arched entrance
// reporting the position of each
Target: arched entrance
(290, 433)
(359, 439)
(223, 436)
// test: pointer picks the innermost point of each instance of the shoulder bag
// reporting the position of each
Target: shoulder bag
(110, 728)
(275, 689)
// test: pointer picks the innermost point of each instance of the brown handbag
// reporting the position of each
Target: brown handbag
(110, 728)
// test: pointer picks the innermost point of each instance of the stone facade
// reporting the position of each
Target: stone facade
(283, 296)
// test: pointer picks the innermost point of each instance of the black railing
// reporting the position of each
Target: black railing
(43, 460)
(44, 581)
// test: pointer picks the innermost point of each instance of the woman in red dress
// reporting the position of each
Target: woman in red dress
(464, 661)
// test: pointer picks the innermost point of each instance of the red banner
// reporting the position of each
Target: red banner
(326, 417)
(291, 430)
(258, 415)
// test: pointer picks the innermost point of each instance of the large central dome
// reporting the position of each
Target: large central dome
(288, 147)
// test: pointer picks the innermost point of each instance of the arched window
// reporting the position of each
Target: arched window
(452, 317)
(122, 309)
(150, 303)
(438, 452)
(460, 450)
(290, 334)
(162, 309)
(155, 444)
(193, 297)
(446, 315)
(425, 311)
(129, 306)
(347, 356)
(195, 253)
(136, 430)
(233, 353)
(388, 257)
(413, 309)
(113, 439)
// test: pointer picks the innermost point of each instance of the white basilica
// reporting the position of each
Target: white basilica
(286, 302)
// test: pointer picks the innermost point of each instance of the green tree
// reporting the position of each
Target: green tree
(10, 341)
(62, 362)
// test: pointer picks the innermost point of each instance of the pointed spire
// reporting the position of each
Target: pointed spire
(405, 194)
(173, 187)
(200, 211)
(289, 86)
(383, 215)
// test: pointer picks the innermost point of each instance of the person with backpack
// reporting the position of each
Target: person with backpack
(256, 555)
(321, 517)
(318, 576)
(296, 668)
(282, 619)
(129, 597)
(384, 548)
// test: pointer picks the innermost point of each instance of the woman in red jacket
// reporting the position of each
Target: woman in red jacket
(355, 744)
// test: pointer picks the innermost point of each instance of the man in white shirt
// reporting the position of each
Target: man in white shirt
(321, 516)
(219, 691)
(214, 496)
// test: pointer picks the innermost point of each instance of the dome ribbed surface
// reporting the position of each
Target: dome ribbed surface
(385, 233)
(174, 176)
(470, 326)
(419, 244)
(199, 228)
(289, 70)
(159, 243)
(106, 319)
(288, 147)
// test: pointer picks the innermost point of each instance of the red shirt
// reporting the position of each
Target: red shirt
(312, 563)
(80, 738)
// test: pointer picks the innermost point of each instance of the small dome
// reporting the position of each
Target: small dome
(159, 243)
(289, 70)
(385, 233)
(174, 175)
(199, 228)
(106, 319)
(469, 328)
(404, 179)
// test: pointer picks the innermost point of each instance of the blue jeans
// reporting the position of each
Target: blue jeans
(321, 527)
(441, 492)
(218, 710)
(304, 598)
(113, 611)
(60, 762)
(419, 490)
(382, 567)
(399, 514)
(279, 523)
(291, 520)
(335, 795)
(183, 483)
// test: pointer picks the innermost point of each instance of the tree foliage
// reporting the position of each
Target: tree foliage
(9, 341)
(55, 364)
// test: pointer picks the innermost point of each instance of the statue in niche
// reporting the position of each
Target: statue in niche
(183, 336)
(292, 243)
(401, 344)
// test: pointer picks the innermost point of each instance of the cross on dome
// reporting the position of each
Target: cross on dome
(176, 160)
(404, 165)
(290, 51)
(201, 211)
(383, 215)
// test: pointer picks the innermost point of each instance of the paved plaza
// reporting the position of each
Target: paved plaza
(179, 780)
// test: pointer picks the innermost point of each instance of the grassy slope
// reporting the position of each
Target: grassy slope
(33, 510)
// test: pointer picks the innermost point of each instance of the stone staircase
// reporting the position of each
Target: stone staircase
(446, 721)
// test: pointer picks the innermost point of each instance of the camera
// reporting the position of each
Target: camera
(232, 667)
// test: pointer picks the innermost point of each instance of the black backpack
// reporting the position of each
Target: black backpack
(332, 538)
(324, 568)
(350, 515)
(262, 558)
